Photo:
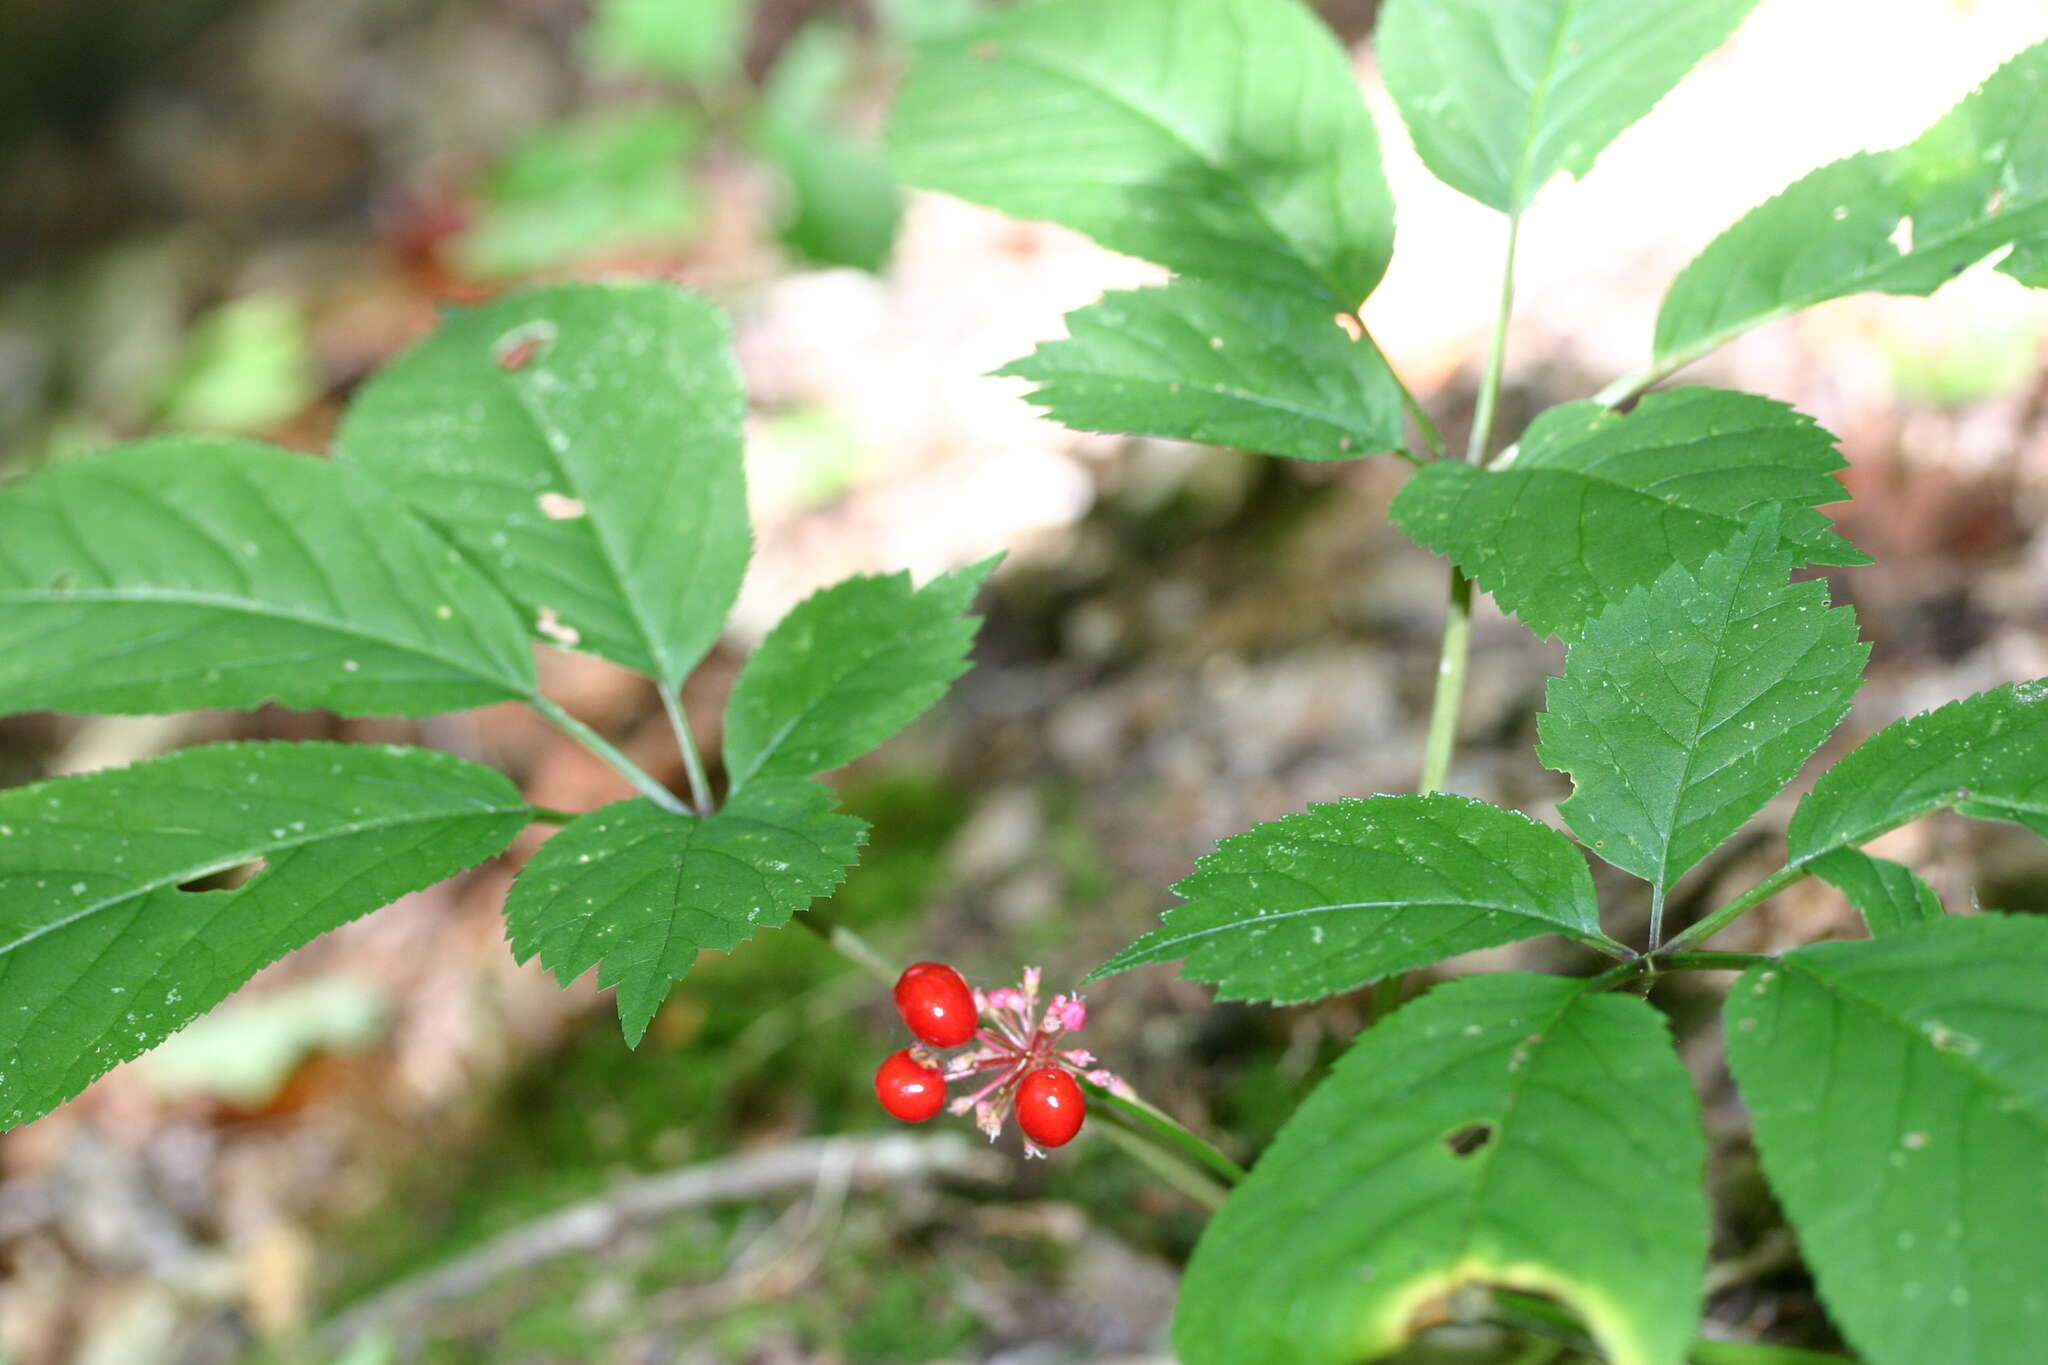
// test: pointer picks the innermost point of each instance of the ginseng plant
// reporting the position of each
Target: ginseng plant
(1537, 1133)
(564, 466)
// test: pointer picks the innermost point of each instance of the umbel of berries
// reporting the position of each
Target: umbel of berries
(1010, 1047)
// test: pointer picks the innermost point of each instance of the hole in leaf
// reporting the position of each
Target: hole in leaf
(1469, 1139)
(523, 345)
(227, 879)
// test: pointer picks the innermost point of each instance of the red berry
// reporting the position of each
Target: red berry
(1050, 1107)
(909, 1089)
(936, 1003)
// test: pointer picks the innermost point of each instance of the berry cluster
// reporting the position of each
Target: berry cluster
(1012, 1043)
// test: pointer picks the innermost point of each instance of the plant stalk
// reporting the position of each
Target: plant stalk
(1630, 387)
(1496, 357)
(606, 750)
(1168, 1167)
(1735, 909)
(1166, 1129)
(851, 946)
(1452, 658)
(1431, 436)
(693, 761)
(1442, 740)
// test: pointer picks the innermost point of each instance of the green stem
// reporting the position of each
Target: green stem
(1737, 908)
(1496, 357)
(1457, 642)
(1633, 386)
(1711, 962)
(1164, 1128)
(1452, 658)
(693, 762)
(1792, 872)
(548, 815)
(1431, 436)
(851, 946)
(604, 749)
(1168, 1167)
(1656, 916)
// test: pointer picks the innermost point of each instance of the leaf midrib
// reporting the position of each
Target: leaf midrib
(258, 608)
(1259, 921)
(1518, 190)
(251, 852)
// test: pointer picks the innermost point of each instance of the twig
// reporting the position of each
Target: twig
(693, 761)
(588, 1226)
(1776, 1250)
(609, 752)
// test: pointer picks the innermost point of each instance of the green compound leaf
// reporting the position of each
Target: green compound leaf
(1887, 894)
(1260, 371)
(103, 956)
(636, 891)
(1899, 1088)
(1986, 755)
(582, 444)
(1905, 221)
(1223, 139)
(848, 667)
(1597, 504)
(1346, 892)
(607, 180)
(195, 572)
(1688, 704)
(1504, 1129)
(1501, 95)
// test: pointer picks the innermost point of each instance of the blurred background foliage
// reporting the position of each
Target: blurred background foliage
(222, 214)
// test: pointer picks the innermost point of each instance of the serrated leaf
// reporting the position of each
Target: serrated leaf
(1223, 139)
(195, 572)
(1985, 755)
(1888, 895)
(102, 956)
(636, 891)
(1597, 504)
(1503, 1129)
(848, 667)
(1899, 1088)
(582, 444)
(1260, 371)
(1501, 95)
(1688, 704)
(607, 180)
(1905, 221)
(1345, 892)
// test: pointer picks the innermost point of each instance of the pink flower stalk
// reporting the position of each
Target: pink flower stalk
(1016, 1040)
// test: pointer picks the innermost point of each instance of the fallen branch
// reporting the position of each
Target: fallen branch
(588, 1226)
